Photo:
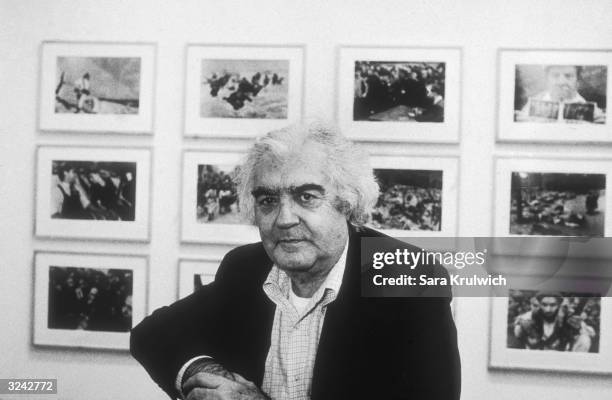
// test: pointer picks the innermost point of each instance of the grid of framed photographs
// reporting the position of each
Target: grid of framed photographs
(385, 94)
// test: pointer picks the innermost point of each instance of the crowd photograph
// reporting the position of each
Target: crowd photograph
(90, 299)
(553, 321)
(408, 200)
(97, 85)
(560, 93)
(217, 194)
(399, 91)
(93, 190)
(557, 204)
(244, 89)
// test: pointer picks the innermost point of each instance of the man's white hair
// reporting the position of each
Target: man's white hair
(346, 166)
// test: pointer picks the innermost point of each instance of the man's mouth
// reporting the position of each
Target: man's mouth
(290, 240)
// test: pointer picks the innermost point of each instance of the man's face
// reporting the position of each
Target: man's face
(295, 212)
(549, 307)
(562, 82)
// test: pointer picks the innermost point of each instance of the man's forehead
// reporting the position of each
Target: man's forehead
(291, 173)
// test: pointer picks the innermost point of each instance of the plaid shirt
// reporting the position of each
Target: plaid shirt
(295, 336)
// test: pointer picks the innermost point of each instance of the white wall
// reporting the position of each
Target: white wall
(480, 27)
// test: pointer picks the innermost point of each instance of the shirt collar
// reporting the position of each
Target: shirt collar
(279, 279)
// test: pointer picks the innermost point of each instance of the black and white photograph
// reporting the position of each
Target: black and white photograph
(93, 190)
(217, 194)
(400, 94)
(195, 273)
(557, 321)
(399, 91)
(417, 195)
(86, 192)
(245, 89)
(240, 91)
(210, 206)
(97, 87)
(560, 93)
(551, 330)
(552, 197)
(409, 200)
(88, 300)
(554, 96)
(558, 204)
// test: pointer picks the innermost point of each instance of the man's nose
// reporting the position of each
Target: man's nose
(286, 217)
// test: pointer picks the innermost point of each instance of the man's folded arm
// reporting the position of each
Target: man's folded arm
(168, 339)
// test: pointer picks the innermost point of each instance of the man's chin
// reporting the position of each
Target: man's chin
(291, 246)
(291, 261)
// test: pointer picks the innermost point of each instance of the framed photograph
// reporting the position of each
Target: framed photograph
(242, 91)
(418, 196)
(554, 96)
(97, 87)
(400, 94)
(193, 274)
(88, 300)
(93, 192)
(210, 207)
(551, 331)
(551, 197)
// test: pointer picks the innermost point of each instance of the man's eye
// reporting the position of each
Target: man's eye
(307, 197)
(266, 201)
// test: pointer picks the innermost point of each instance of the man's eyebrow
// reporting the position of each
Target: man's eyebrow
(307, 187)
(264, 191)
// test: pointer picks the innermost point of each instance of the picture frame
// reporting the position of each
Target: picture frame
(433, 186)
(553, 95)
(206, 183)
(516, 344)
(400, 94)
(104, 193)
(242, 90)
(74, 305)
(97, 87)
(190, 269)
(559, 197)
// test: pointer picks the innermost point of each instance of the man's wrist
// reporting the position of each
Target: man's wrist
(208, 365)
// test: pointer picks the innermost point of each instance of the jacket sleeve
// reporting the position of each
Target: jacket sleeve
(164, 341)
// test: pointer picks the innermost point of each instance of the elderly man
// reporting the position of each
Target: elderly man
(284, 318)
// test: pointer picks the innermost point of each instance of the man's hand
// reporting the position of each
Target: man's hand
(208, 386)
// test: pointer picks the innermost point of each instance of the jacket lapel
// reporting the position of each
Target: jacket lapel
(336, 344)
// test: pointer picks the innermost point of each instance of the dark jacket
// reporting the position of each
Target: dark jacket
(370, 348)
